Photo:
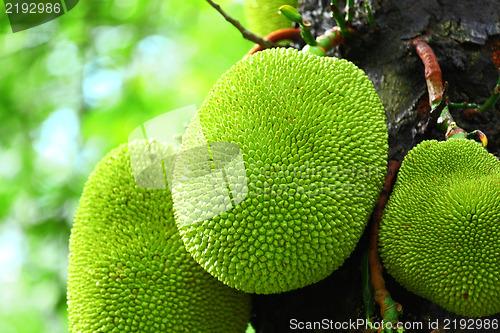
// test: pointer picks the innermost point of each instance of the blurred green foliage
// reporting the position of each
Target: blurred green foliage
(70, 90)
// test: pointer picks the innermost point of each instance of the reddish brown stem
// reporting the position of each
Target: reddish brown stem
(276, 36)
(432, 70)
(382, 296)
(329, 40)
(434, 81)
(471, 113)
(335, 37)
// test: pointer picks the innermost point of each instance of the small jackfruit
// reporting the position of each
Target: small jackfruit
(128, 269)
(280, 169)
(263, 15)
(440, 232)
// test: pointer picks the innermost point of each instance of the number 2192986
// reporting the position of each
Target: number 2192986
(471, 324)
(32, 8)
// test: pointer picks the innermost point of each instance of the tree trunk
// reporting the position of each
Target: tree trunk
(465, 36)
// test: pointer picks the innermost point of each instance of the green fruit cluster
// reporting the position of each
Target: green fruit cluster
(272, 188)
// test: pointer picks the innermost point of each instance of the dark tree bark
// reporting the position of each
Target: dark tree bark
(465, 35)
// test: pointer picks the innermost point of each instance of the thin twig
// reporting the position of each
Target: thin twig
(436, 112)
(248, 35)
(474, 109)
(389, 309)
(337, 15)
(495, 95)
(463, 105)
(349, 12)
(369, 16)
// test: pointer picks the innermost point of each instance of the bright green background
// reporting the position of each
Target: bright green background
(70, 90)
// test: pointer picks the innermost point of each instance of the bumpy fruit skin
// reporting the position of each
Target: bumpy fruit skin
(128, 269)
(440, 233)
(263, 15)
(313, 139)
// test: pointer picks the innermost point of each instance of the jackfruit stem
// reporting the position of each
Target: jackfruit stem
(290, 13)
(321, 45)
(293, 15)
(369, 16)
(266, 44)
(349, 12)
(276, 36)
(389, 309)
(327, 42)
(448, 126)
(336, 14)
(464, 105)
(305, 32)
(433, 75)
(493, 98)
(474, 109)
(489, 104)
(436, 92)
(344, 25)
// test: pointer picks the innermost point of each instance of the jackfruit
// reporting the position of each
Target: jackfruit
(128, 269)
(440, 232)
(280, 169)
(263, 15)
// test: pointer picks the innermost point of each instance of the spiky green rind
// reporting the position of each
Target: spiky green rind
(263, 15)
(440, 233)
(313, 138)
(128, 269)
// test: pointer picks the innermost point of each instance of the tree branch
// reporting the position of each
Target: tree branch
(278, 35)
(248, 35)
(389, 309)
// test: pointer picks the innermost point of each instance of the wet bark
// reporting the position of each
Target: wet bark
(465, 36)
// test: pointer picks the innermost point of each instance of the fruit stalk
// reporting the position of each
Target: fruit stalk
(369, 16)
(433, 75)
(434, 82)
(328, 41)
(349, 12)
(389, 309)
(293, 15)
(474, 109)
(276, 36)
(492, 99)
(336, 14)
(324, 43)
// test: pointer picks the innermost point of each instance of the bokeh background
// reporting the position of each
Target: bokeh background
(71, 90)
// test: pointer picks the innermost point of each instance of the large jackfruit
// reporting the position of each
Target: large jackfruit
(128, 269)
(440, 232)
(280, 169)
